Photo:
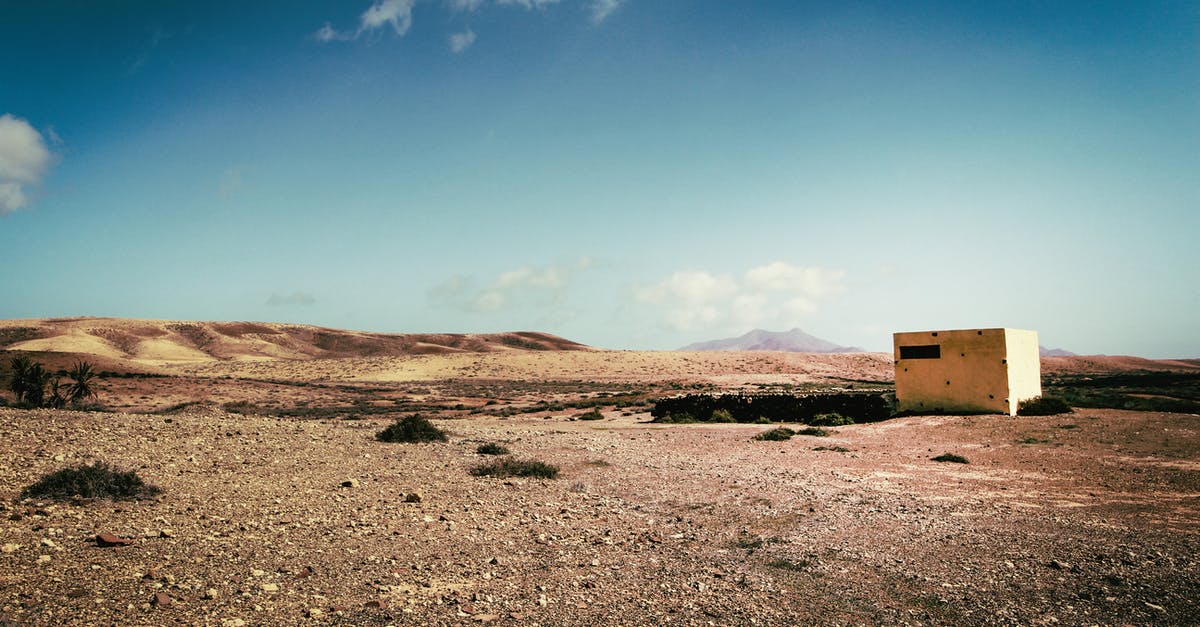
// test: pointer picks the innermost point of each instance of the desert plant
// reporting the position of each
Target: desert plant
(677, 418)
(590, 415)
(411, 428)
(81, 375)
(776, 435)
(832, 419)
(19, 382)
(1043, 406)
(815, 432)
(509, 467)
(92, 481)
(491, 448)
(951, 457)
(721, 415)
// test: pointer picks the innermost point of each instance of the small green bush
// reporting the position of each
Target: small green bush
(509, 467)
(830, 420)
(491, 448)
(590, 415)
(720, 415)
(776, 435)
(815, 432)
(411, 428)
(678, 418)
(951, 457)
(94, 481)
(1043, 406)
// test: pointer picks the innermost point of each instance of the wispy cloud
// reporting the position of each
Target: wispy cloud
(24, 160)
(398, 14)
(601, 9)
(461, 41)
(769, 295)
(381, 13)
(295, 298)
(543, 286)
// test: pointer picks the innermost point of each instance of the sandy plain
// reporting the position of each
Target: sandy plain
(279, 507)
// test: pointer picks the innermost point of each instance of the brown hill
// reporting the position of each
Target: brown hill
(162, 341)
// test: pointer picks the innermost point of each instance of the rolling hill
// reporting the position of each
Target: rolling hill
(156, 341)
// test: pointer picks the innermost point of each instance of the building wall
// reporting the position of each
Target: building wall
(971, 372)
(1024, 367)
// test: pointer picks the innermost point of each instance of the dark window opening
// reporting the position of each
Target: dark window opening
(925, 351)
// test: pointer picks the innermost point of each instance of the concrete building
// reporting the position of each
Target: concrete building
(968, 370)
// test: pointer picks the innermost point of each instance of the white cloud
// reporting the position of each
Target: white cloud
(772, 295)
(528, 4)
(398, 13)
(544, 286)
(24, 160)
(465, 5)
(327, 34)
(461, 41)
(601, 9)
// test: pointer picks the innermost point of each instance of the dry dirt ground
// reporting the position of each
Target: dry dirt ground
(1086, 518)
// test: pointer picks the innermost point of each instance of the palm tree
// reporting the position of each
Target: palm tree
(35, 380)
(20, 376)
(81, 386)
(56, 400)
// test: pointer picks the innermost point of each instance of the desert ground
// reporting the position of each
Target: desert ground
(278, 506)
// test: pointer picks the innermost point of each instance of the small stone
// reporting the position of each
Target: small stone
(166, 533)
(43, 559)
(10, 548)
(233, 622)
(314, 612)
(48, 542)
(495, 560)
(350, 483)
(485, 618)
(211, 593)
(413, 497)
(110, 539)
(270, 587)
(1156, 608)
(161, 599)
(305, 572)
(1057, 565)
(542, 600)
(376, 604)
(77, 593)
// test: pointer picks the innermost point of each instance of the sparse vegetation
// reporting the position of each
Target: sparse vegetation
(787, 564)
(412, 428)
(34, 386)
(677, 418)
(509, 467)
(94, 481)
(835, 449)
(590, 415)
(831, 419)
(816, 432)
(491, 448)
(721, 415)
(1043, 406)
(951, 457)
(776, 435)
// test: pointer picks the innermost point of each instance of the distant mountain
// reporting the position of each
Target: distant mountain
(794, 341)
(1054, 352)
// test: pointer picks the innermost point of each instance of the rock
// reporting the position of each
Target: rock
(43, 559)
(110, 539)
(161, 599)
(376, 604)
(413, 497)
(350, 483)
(485, 618)
(1156, 608)
(233, 622)
(211, 593)
(315, 612)
(305, 572)
(10, 548)
(77, 593)
(166, 533)
(270, 587)
(1057, 565)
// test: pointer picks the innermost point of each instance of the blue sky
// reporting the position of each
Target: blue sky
(625, 173)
